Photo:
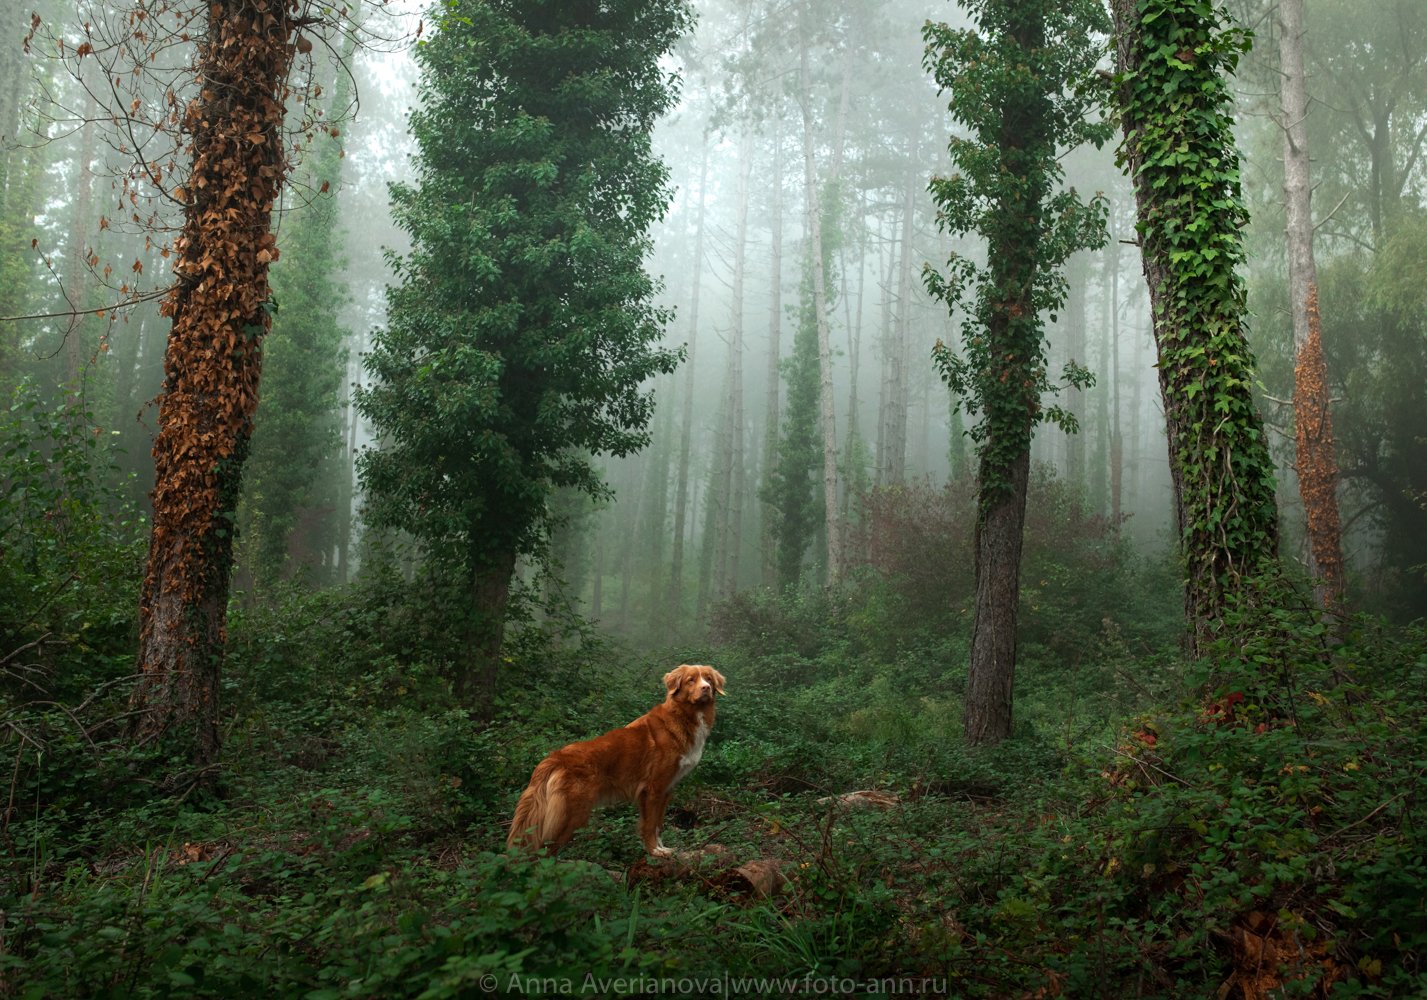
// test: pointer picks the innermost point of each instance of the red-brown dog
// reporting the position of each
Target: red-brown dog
(640, 763)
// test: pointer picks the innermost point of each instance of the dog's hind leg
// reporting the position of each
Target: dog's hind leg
(569, 810)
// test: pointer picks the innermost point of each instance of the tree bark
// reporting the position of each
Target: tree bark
(1316, 463)
(219, 309)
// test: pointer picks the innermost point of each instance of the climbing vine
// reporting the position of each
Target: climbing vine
(1173, 61)
(1025, 97)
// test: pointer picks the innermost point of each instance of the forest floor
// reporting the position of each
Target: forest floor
(1261, 836)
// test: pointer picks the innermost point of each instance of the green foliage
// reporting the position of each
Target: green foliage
(71, 551)
(1178, 116)
(522, 327)
(1020, 84)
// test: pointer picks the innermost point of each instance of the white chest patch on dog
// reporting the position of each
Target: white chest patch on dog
(694, 754)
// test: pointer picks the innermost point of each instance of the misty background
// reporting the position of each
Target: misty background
(688, 521)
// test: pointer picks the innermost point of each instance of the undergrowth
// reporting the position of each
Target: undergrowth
(1249, 827)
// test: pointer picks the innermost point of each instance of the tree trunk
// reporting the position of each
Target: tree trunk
(828, 402)
(219, 308)
(898, 390)
(477, 681)
(737, 479)
(1316, 464)
(76, 350)
(1117, 441)
(656, 519)
(772, 414)
(999, 530)
(686, 426)
(348, 486)
(1078, 275)
(1184, 167)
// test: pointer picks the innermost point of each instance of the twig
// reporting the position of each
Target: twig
(1359, 822)
(1145, 763)
(76, 313)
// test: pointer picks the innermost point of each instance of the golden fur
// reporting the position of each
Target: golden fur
(640, 763)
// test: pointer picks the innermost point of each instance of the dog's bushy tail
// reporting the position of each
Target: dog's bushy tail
(541, 810)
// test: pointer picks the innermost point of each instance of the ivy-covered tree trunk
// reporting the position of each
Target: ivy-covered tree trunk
(219, 308)
(1172, 58)
(1013, 337)
(1317, 462)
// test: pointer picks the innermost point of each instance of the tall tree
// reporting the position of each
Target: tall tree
(522, 329)
(1316, 461)
(1017, 84)
(1173, 58)
(220, 308)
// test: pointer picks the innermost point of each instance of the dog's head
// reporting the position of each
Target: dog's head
(693, 684)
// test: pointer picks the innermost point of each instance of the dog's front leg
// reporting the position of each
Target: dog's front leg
(651, 821)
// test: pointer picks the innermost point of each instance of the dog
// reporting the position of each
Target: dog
(640, 763)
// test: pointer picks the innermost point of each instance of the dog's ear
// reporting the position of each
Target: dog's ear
(674, 677)
(717, 679)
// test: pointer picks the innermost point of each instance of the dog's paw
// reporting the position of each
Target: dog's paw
(661, 852)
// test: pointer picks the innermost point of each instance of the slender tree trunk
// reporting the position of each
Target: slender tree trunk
(686, 426)
(348, 487)
(890, 348)
(832, 520)
(1117, 441)
(1218, 455)
(772, 410)
(75, 349)
(597, 591)
(1078, 275)
(737, 464)
(656, 520)
(1316, 464)
(219, 308)
(713, 550)
(898, 390)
